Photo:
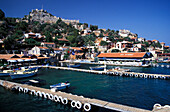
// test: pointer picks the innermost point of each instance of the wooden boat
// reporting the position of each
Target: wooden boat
(97, 68)
(61, 86)
(23, 74)
(74, 65)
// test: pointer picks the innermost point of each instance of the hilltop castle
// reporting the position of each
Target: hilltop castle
(44, 17)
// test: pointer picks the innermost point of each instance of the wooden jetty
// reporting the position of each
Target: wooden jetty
(68, 97)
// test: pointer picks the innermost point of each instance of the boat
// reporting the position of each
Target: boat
(34, 82)
(74, 65)
(23, 74)
(61, 86)
(97, 68)
(5, 72)
(121, 69)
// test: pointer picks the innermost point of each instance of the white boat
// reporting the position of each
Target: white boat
(23, 74)
(121, 69)
(61, 86)
(6, 72)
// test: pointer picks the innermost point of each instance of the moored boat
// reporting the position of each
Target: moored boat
(74, 65)
(97, 68)
(121, 69)
(5, 72)
(61, 86)
(34, 82)
(23, 74)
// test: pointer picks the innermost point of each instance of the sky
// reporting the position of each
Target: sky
(148, 18)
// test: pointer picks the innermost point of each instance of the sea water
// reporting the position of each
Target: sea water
(136, 92)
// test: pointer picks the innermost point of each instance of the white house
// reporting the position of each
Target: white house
(135, 49)
(35, 50)
(48, 44)
(123, 45)
(124, 33)
(139, 45)
(140, 39)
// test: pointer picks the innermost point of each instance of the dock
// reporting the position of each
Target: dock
(113, 72)
(68, 98)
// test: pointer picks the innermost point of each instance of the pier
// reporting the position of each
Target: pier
(113, 73)
(75, 101)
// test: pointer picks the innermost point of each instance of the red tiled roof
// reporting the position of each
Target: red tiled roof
(79, 54)
(76, 48)
(43, 47)
(63, 39)
(57, 49)
(154, 40)
(107, 34)
(122, 55)
(48, 42)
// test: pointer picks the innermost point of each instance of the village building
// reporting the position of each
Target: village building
(48, 44)
(122, 45)
(130, 59)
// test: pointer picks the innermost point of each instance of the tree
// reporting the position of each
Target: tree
(101, 35)
(48, 37)
(146, 44)
(115, 50)
(89, 40)
(93, 27)
(85, 25)
(31, 42)
(103, 43)
(2, 15)
(10, 43)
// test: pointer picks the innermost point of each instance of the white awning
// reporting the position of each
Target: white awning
(27, 60)
(20, 60)
(33, 59)
(12, 61)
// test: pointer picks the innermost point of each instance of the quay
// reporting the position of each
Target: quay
(79, 102)
(113, 72)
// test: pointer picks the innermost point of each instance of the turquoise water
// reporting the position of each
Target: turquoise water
(136, 92)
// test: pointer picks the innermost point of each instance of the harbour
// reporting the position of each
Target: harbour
(66, 57)
(82, 90)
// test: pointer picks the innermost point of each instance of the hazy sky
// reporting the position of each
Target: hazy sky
(148, 18)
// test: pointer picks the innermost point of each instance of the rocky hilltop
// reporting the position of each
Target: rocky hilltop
(44, 17)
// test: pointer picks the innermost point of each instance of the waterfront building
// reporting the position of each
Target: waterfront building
(21, 59)
(131, 59)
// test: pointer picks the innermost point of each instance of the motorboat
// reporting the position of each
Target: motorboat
(121, 69)
(74, 65)
(34, 82)
(6, 72)
(61, 86)
(97, 68)
(23, 74)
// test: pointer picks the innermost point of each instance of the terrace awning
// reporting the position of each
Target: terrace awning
(12, 61)
(20, 60)
(27, 60)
